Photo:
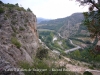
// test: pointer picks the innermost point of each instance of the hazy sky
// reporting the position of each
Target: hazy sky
(50, 9)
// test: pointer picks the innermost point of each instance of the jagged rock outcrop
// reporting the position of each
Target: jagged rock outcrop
(18, 34)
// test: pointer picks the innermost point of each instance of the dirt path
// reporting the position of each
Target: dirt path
(74, 68)
(77, 68)
(94, 72)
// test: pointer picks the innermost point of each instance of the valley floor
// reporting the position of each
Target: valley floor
(71, 64)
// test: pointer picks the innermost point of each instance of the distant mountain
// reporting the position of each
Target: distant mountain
(39, 19)
(68, 26)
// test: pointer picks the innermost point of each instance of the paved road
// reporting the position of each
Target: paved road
(54, 38)
(73, 49)
(94, 72)
(60, 35)
(72, 42)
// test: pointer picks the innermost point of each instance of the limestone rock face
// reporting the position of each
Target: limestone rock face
(5, 68)
(18, 35)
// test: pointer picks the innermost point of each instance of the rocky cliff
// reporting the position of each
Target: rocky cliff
(18, 35)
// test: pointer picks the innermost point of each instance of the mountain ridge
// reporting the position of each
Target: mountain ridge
(40, 19)
(65, 26)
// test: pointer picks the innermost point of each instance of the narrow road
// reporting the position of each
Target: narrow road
(54, 38)
(72, 42)
(73, 49)
(94, 72)
(60, 35)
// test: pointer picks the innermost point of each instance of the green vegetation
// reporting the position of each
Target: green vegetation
(46, 69)
(29, 10)
(13, 34)
(0, 25)
(45, 30)
(61, 25)
(25, 25)
(15, 42)
(13, 28)
(16, 4)
(1, 2)
(20, 9)
(1, 10)
(13, 22)
(92, 20)
(81, 40)
(10, 7)
(69, 44)
(87, 73)
(26, 20)
(50, 27)
(21, 28)
(47, 37)
(86, 56)
(10, 10)
(77, 40)
(42, 53)
(59, 44)
(5, 18)
(71, 24)
(26, 66)
(79, 33)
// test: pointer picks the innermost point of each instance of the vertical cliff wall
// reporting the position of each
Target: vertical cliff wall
(18, 34)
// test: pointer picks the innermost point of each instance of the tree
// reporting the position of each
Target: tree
(92, 19)
(42, 53)
(1, 2)
(16, 4)
(29, 10)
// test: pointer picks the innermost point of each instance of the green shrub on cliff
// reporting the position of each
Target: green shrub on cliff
(42, 53)
(15, 42)
(1, 10)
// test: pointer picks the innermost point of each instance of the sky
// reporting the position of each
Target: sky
(50, 9)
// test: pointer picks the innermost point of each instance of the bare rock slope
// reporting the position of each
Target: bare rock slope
(18, 34)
